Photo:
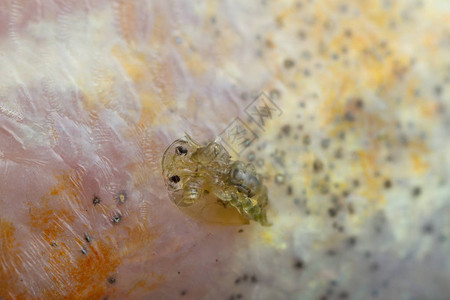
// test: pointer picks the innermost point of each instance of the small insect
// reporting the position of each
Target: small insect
(205, 183)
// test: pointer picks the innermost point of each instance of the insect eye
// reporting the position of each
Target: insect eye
(180, 150)
(175, 178)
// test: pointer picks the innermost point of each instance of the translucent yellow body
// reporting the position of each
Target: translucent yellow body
(205, 183)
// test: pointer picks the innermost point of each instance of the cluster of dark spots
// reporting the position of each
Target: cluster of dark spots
(183, 292)
(416, 191)
(338, 227)
(111, 279)
(96, 200)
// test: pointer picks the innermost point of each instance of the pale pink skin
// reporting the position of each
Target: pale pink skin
(92, 93)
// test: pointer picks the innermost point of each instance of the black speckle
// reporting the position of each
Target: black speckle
(289, 190)
(87, 238)
(416, 191)
(183, 292)
(111, 280)
(116, 219)
(175, 178)
(238, 280)
(349, 116)
(241, 230)
(253, 279)
(428, 228)
(286, 129)
(317, 165)
(359, 103)
(288, 63)
(325, 143)
(83, 251)
(332, 212)
(306, 140)
(96, 200)
(387, 184)
(299, 264)
(351, 241)
(53, 244)
(374, 267)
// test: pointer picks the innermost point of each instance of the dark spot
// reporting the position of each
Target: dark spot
(343, 295)
(96, 200)
(245, 277)
(253, 279)
(331, 252)
(317, 165)
(332, 212)
(83, 251)
(325, 143)
(289, 190)
(288, 63)
(238, 280)
(387, 184)
(356, 183)
(111, 280)
(175, 178)
(359, 103)
(180, 150)
(351, 241)
(183, 292)
(116, 219)
(241, 230)
(299, 264)
(374, 267)
(349, 116)
(306, 140)
(416, 191)
(53, 245)
(286, 129)
(338, 153)
(438, 90)
(428, 228)
(87, 238)
(238, 296)
(179, 272)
